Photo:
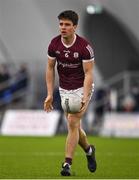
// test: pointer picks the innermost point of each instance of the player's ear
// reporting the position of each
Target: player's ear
(75, 27)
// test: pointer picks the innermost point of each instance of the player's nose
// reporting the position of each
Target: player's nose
(63, 26)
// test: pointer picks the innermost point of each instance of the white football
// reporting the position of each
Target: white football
(71, 103)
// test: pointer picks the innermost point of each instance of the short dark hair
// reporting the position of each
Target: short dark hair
(70, 15)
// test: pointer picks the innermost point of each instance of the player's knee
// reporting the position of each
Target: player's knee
(73, 122)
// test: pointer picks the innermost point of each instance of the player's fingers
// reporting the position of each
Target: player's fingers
(51, 107)
(45, 106)
(83, 105)
(48, 107)
(82, 109)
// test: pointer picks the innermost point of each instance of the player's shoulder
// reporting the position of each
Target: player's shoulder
(55, 42)
(83, 41)
(56, 39)
(86, 48)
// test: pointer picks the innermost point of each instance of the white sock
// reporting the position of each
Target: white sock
(66, 164)
(89, 152)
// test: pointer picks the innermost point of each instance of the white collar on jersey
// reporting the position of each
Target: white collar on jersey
(67, 46)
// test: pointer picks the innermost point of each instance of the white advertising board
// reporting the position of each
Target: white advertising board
(30, 122)
(121, 125)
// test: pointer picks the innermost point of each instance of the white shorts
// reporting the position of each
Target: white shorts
(78, 92)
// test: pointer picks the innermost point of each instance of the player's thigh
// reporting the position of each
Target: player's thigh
(80, 114)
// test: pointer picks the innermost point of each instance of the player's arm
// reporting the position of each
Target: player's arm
(50, 77)
(88, 80)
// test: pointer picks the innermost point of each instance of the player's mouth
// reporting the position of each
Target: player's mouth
(63, 32)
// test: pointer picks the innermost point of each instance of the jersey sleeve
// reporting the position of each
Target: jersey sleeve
(88, 53)
(51, 51)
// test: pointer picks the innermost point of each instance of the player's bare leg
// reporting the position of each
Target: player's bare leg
(71, 142)
(73, 121)
(83, 141)
(76, 135)
(73, 135)
(89, 149)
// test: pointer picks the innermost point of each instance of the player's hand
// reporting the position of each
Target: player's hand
(48, 104)
(83, 104)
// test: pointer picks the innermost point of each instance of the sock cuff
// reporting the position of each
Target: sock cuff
(68, 160)
(87, 149)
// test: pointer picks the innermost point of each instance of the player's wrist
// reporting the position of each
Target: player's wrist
(50, 95)
(49, 98)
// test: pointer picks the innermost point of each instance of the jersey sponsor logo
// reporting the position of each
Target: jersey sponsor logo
(76, 54)
(66, 51)
(69, 65)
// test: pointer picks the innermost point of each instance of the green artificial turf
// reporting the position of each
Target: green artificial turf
(41, 158)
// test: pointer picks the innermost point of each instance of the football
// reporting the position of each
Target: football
(71, 103)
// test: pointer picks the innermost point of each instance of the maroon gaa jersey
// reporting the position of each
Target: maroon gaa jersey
(69, 60)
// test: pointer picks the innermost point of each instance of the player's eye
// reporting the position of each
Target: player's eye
(61, 24)
(67, 24)
(64, 24)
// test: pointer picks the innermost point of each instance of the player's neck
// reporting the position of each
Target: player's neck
(68, 41)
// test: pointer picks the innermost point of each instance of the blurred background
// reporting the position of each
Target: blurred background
(26, 28)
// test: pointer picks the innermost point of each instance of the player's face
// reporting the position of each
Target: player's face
(67, 28)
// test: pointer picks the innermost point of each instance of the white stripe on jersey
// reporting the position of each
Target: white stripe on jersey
(89, 48)
(89, 60)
